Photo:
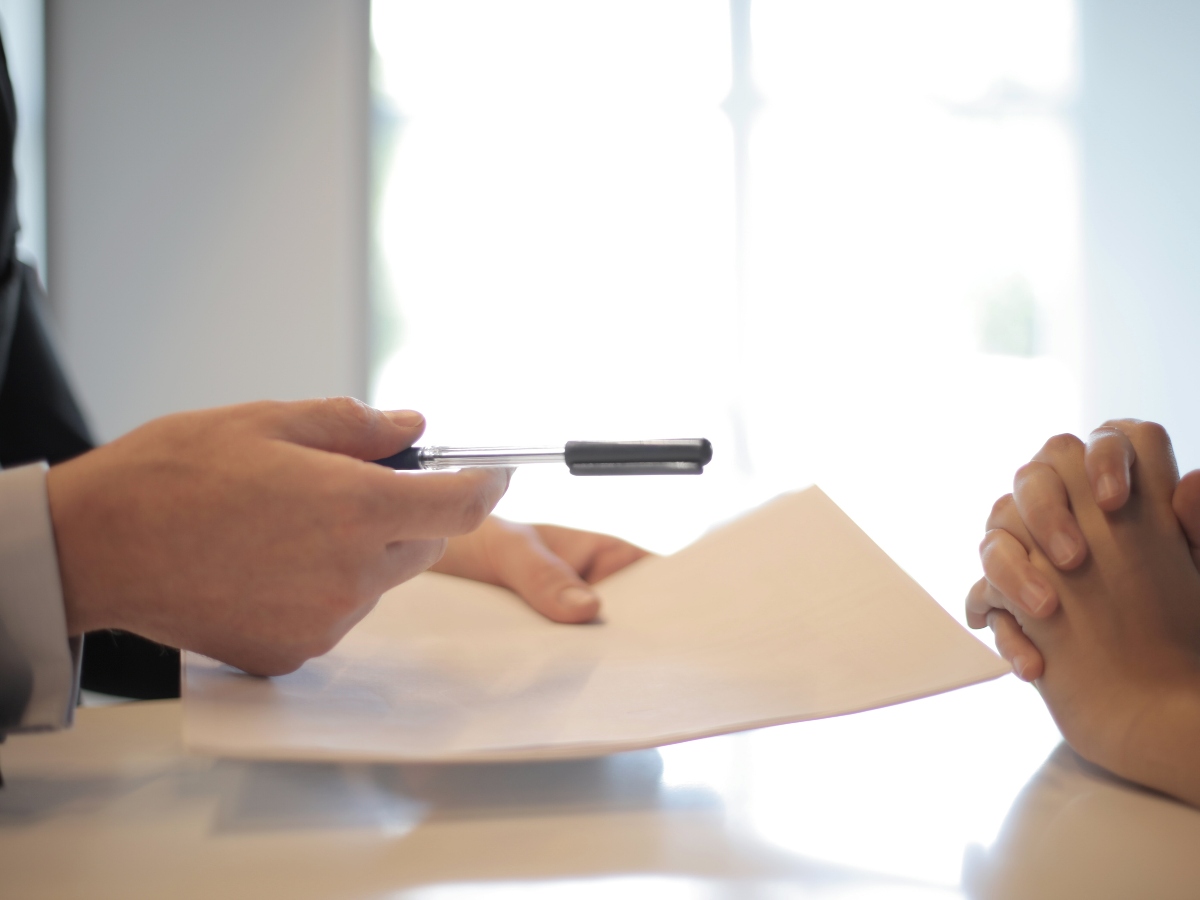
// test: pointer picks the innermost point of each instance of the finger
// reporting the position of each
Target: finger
(1186, 504)
(1013, 644)
(344, 425)
(1155, 470)
(1064, 454)
(1041, 501)
(423, 505)
(593, 556)
(1004, 516)
(612, 558)
(1007, 568)
(982, 599)
(526, 566)
(1108, 458)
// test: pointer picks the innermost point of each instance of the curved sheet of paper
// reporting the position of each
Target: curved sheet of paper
(788, 613)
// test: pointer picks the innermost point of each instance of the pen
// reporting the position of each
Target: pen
(674, 457)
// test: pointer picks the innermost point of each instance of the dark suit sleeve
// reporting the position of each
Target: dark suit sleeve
(40, 420)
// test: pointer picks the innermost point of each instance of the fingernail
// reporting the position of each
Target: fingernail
(1107, 487)
(1035, 596)
(407, 417)
(1018, 668)
(577, 598)
(1063, 548)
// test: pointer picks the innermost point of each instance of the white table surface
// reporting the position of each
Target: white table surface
(964, 795)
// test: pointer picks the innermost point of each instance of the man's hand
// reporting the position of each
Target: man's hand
(1122, 650)
(254, 534)
(1010, 583)
(547, 566)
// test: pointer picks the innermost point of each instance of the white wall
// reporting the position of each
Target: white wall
(1140, 140)
(207, 174)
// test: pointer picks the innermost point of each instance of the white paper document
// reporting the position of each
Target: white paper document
(788, 613)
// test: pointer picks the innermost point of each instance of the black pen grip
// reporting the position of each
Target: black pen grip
(405, 459)
(681, 457)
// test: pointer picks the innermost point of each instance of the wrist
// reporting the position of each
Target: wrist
(83, 612)
(1162, 748)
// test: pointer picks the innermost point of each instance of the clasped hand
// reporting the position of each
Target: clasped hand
(1092, 588)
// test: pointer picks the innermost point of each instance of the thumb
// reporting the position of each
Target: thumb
(347, 426)
(1186, 504)
(528, 568)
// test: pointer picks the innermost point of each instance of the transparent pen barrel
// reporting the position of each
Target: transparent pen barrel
(474, 457)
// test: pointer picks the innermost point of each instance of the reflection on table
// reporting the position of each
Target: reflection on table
(929, 799)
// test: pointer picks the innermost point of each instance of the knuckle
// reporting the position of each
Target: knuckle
(1002, 560)
(1153, 433)
(360, 503)
(1039, 514)
(345, 520)
(255, 415)
(1062, 445)
(1000, 510)
(1119, 424)
(985, 544)
(991, 553)
(1029, 479)
(472, 513)
(262, 408)
(352, 410)
(1105, 436)
(1188, 491)
(474, 507)
(1031, 470)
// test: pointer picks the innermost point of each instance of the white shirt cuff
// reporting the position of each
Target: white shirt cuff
(31, 599)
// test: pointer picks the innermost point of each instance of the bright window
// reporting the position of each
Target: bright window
(558, 238)
(557, 232)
